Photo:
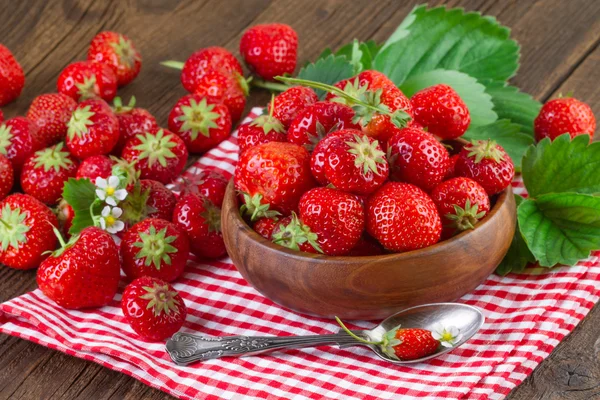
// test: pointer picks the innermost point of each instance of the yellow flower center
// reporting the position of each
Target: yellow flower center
(447, 336)
(110, 220)
(110, 191)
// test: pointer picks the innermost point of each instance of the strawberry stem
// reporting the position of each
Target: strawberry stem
(349, 332)
(272, 86)
(172, 64)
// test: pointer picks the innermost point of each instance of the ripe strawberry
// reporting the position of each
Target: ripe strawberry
(93, 129)
(95, 167)
(153, 309)
(160, 202)
(414, 343)
(270, 49)
(210, 184)
(84, 80)
(564, 115)
(416, 157)
(12, 78)
(156, 248)
(288, 104)
(279, 172)
(51, 113)
(1, 116)
(65, 215)
(451, 167)
(205, 60)
(292, 233)
(84, 272)
(25, 231)
(403, 217)
(116, 50)
(263, 129)
(337, 218)
(201, 123)
(231, 90)
(45, 172)
(486, 163)
(370, 79)
(18, 140)
(318, 157)
(132, 121)
(159, 155)
(7, 176)
(200, 219)
(441, 110)
(366, 246)
(265, 226)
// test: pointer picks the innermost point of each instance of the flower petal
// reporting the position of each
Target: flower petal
(101, 182)
(446, 344)
(119, 226)
(102, 223)
(105, 211)
(113, 181)
(101, 194)
(117, 212)
(120, 194)
(111, 200)
(436, 335)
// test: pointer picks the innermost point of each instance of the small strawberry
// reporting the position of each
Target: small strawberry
(93, 129)
(451, 167)
(153, 309)
(7, 176)
(132, 121)
(51, 113)
(45, 172)
(231, 90)
(263, 129)
(94, 167)
(210, 184)
(161, 201)
(159, 155)
(116, 50)
(564, 115)
(155, 248)
(25, 231)
(200, 219)
(12, 78)
(201, 123)
(318, 158)
(205, 60)
(403, 217)
(265, 226)
(292, 233)
(288, 104)
(84, 80)
(18, 140)
(366, 246)
(416, 157)
(270, 49)
(65, 215)
(486, 163)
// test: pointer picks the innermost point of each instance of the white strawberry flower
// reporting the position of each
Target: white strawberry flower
(109, 219)
(108, 190)
(448, 336)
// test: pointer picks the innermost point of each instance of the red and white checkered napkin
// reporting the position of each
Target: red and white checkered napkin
(526, 317)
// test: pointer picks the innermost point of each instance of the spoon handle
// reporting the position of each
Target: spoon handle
(185, 348)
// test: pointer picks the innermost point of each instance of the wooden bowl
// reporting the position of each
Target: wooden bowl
(372, 287)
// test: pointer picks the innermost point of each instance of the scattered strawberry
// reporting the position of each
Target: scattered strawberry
(366, 246)
(486, 163)
(212, 185)
(231, 90)
(65, 215)
(160, 202)
(564, 115)
(263, 129)
(265, 226)
(45, 172)
(403, 217)
(450, 173)
(12, 78)
(288, 104)
(414, 343)
(93, 129)
(118, 51)
(205, 60)
(132, 121)
(18, 140)
(7, 176)
(270, 49)
(318, 157)
(95, 167)
(84, 80)
(25, 231)
(153, 309)
(51, 113)
(292, 233)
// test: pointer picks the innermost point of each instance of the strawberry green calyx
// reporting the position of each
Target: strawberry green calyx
(212, 216)
(198, 118)
(135, 205)
(53, 157)
(295, 234)
(173, 64)
(465, 218)
(63, 245)
(484, 149)
(5, 138)
(367, 154)
(320, 133)
(161, 299)
(156, 147)
(269, 123)
(124, 49)
(119, 108)
(386, 344)
(125, 171)
(155, 247)
(243, 82)
(255, 208)
(86, 89)
(79, 122)
(12, 228)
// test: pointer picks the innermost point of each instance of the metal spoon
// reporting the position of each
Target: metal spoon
(185, 348)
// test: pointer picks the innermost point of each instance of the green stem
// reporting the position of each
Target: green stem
(349, 332)
(272, 86)
(173, 64)
(59, 237)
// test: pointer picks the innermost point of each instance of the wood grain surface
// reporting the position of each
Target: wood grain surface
(560, 53)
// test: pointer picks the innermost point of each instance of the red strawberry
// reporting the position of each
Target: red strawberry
(156, 248)
(95, 167)
(336, 217)
(45, 172)
(205, 60)
(279, 172)
(200, 219)
(84, 80)
(231, 90)
(370, 79)
(65, 215)
(212, 185)
(270, 49)
(18, 140)
(201, 123)
(366, 246)
(159, 155)
(118, 51)
(51, 113)
(292, 233)
(7, 176)
(153, 309)
(318, 158)
(486, 163)
(132, 121)
(265, 226)
(402, 217)
(25, 231)
(1, 116)
(12, 78)
(414, 343)
(263, 129)
(161, 201)
(93, 129)
(441, 110)
(288, 104)
(451, 167)
(564, 115)
(82, 273)
(416, 157)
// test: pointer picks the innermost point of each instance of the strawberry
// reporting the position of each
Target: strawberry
(210, 184)
(265, 226)
(413, 343)
(12, 78)
(153, 309)
(7, 176)
(155, 248)
(93, 129)
(84, 80)
(231, 90)
(270, 49)
(159, 155)
(337, 218)
(45, 172)
(51, 113)
(564, 115)
(95, 167)
(263, 129)
(116, 50)
(278, 173)
(1, 116)
(292, 233)
(366, 246)
(486, 163)
(18, 140)
(403, 217)
(84, 272)
(201, 123)
(200, 219)
(318, 157)
(161, 201)
(416, 157)
(451, 167)
(289, 103)
(25, 231)
(132, 121)
(65, 215)
(205, 60)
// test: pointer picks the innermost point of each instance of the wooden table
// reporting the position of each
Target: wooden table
(560, 53)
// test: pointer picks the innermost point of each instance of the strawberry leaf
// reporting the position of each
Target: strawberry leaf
(518, 255)
(80, 194)
(329, 70)
(512, 104)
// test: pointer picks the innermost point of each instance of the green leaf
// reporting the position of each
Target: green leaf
(80, 194)
(507, 134)
(563, 165)
(473, 93)
(518, 255)
(359, 54)
(514, 105)
(329, 70)
(441, 38)
(560, 228)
